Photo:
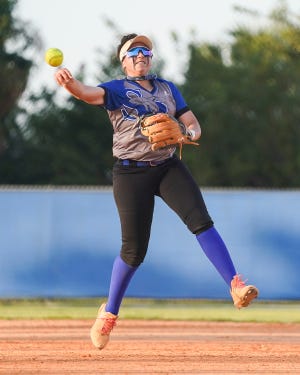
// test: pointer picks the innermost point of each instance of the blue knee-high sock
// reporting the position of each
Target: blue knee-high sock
(216, 251)
(120, 279)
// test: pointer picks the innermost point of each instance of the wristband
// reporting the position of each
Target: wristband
(192, 133)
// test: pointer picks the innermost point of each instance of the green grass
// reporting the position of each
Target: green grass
(166, 309)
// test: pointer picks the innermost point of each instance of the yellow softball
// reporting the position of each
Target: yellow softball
(54, 57)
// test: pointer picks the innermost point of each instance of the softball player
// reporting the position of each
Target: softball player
(140, 174)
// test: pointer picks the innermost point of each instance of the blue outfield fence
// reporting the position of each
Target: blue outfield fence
(61, 242)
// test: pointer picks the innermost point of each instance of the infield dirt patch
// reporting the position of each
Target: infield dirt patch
(149, 347)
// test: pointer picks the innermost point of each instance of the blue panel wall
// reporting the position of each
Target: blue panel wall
(62, 243)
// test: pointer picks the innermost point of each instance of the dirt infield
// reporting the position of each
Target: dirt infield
(149, 347)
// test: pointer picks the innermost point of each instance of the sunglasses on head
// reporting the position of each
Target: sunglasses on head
(133, 52)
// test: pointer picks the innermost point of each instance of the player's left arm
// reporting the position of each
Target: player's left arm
(185, 115)
(192, 124)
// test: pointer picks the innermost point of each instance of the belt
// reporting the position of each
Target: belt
(137, 163)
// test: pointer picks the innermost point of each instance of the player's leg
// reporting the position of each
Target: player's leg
(180, 191)
(135, 203)
(217, 252)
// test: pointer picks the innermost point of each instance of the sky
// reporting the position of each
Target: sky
(79, 28)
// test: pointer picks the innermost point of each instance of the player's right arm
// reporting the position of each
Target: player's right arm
(89, 94)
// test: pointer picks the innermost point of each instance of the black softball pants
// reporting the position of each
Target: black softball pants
(134, 191)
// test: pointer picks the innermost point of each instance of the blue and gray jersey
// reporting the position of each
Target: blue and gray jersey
(126, 101)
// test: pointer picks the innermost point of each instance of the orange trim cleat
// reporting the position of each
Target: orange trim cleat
(241, 293)
(102, 327)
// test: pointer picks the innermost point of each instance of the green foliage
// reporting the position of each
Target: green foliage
(6, 20)
(15, 39)
(248, 107)
(245, 95)
(68, 145)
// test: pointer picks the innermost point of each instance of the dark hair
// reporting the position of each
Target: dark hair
(124, 39)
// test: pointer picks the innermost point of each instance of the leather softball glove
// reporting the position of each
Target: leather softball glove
(164, 130)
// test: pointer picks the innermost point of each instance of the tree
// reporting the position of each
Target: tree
(248, 106)
(68, 142)
(16, 38)
(246, 100)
